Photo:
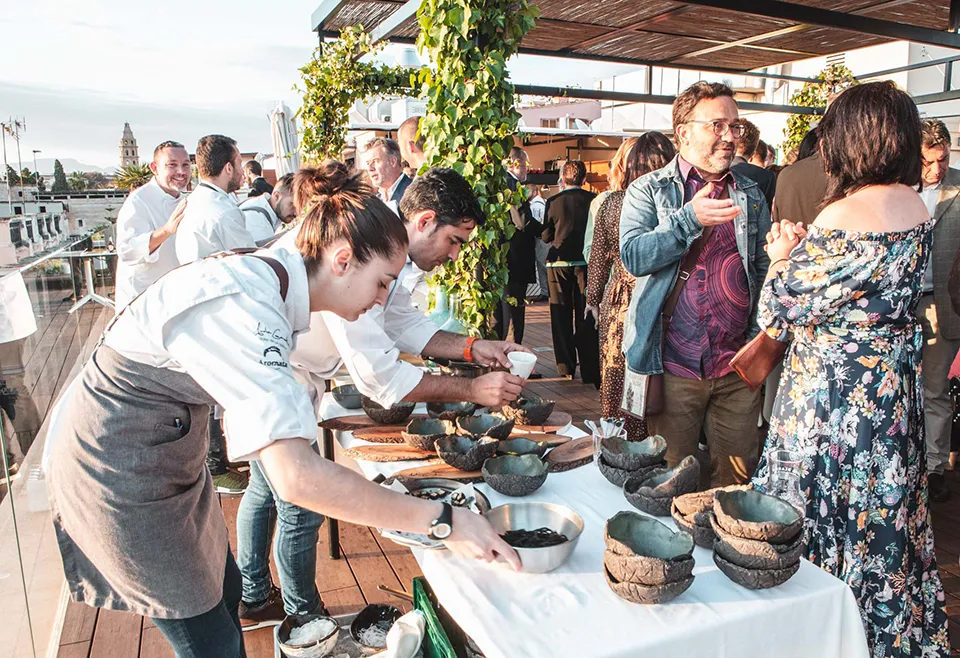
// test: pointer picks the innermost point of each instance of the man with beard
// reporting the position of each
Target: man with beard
(212, 221)
(693, 233)
(146, 224)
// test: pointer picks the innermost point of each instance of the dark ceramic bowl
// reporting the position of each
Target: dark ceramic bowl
(515, 475)
(493, 425)
(647, 595)
(320, 647)
(392, 416)
(618, 476)
(751, 514)
(702, 535)
(755, 578)
(632, 534)
(450, 410)
(423, 433)
(682, 479)
(522, 446)
(645, 570)
(755, 554)
(633, 455)
(348, 396)
(373, 615)
(529, 409)
(465, 453)
(464, 369)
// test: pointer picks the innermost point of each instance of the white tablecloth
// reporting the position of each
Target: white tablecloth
(572, 612)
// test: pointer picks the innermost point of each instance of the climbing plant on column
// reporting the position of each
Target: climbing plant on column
(831, 80)
(333, 80)
(469, 126)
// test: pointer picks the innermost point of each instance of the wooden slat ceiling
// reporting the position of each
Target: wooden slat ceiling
(668, 32)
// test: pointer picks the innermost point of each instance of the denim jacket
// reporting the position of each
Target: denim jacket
(656, 231)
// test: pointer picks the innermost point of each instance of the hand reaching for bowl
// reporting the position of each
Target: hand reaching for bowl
(495, 389)
(475, 538)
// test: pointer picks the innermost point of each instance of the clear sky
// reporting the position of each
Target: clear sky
(175, 69)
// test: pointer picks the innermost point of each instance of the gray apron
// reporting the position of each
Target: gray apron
(137, 518)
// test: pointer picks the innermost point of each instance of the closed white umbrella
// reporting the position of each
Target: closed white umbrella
(283, 129)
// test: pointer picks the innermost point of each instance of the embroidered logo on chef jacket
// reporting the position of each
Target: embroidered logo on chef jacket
(269, 360)
(271, 335)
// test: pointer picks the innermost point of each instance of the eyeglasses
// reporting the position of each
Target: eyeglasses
(720, 128)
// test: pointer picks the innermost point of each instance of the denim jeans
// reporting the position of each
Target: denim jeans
(214, 634)
(294, 546)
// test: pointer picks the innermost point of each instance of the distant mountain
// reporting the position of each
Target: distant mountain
(45, 165)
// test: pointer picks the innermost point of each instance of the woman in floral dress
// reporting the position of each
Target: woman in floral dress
(609, 285)
(850, 398)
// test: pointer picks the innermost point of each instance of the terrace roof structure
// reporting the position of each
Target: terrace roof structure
(709, 35)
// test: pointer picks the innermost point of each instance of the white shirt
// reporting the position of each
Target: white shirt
(538, 207)
(261, 227)
(369, 347)
(145, 210)
(222, 321)
(930, 196)
(212, 222)
(393, 188)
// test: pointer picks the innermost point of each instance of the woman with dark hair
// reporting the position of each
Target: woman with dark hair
(609, 285)
(136, 515)
(850, 401)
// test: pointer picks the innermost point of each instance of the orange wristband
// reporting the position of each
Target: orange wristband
(468, 348)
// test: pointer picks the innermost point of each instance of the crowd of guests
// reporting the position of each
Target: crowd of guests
(698, 244)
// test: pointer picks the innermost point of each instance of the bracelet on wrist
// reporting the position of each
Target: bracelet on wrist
(779, 260)
(468, 349)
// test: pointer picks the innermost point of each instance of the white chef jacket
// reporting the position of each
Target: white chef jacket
(145, 210)
(224, 323)
(212, 222)
(259, 225)
(369, 347)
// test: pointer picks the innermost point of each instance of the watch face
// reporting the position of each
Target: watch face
(441, 531)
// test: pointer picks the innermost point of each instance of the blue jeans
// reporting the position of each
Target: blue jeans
(294, 546)
(214, 634)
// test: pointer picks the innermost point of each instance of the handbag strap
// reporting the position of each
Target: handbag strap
(686, 269)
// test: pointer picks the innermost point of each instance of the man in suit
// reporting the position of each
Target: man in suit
(253, 172)
(522, 255)
(565, 224)
(801, 188)
(385, 166)
(742, 164)
(939, 187)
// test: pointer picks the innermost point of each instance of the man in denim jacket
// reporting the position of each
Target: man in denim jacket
(664, 213)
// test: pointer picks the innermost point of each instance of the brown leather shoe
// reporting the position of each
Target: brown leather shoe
(261, 615)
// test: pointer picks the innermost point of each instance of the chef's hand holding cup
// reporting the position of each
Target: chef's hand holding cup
(522, 363)
(495, 389)
(473, 537)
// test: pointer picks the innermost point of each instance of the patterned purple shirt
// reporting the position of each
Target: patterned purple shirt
(710, 322)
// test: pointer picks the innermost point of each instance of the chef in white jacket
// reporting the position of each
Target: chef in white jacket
(265, 214)
(137, 519)
(440, 211)
(212, 221)
(146, 224)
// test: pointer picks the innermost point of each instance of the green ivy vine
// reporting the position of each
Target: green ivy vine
(333, 80)
(831, 80)
(470, 126)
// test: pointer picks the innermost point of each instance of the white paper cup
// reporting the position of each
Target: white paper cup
(522, 363)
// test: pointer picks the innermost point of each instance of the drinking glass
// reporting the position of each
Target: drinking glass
(785, 468)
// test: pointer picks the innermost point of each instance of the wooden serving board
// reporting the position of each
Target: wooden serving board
(571, 455)
(392, 434)
(388, 453)
(438, 470)
(360, 421)
(556, 422)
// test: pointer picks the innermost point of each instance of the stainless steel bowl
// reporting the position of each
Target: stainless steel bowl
(530, 516)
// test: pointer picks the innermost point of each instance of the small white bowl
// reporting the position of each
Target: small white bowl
(522, 363)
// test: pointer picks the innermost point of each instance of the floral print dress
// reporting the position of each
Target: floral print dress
(851, 402)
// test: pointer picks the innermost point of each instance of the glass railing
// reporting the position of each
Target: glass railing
(33, 373)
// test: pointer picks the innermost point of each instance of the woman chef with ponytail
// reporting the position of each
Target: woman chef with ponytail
(137, 518)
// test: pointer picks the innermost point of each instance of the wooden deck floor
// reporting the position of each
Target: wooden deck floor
(349, 584)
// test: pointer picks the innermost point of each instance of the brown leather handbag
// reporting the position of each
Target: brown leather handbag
(757, 359)
(655, 401)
